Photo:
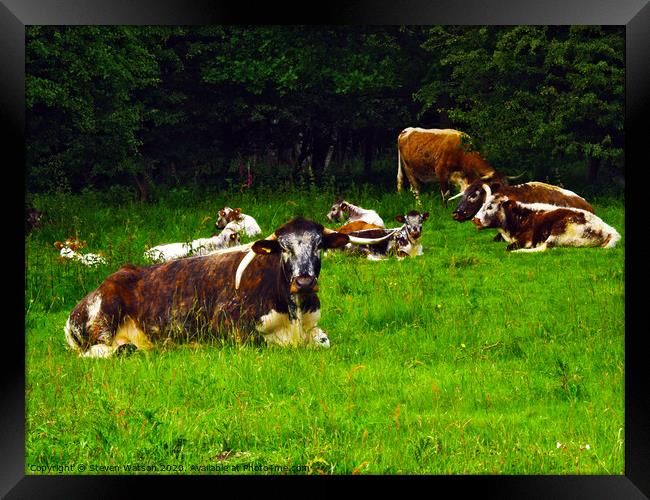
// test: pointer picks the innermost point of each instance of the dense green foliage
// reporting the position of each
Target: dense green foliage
(466, 360)
(142, 107)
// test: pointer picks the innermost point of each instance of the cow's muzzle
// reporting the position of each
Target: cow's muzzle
(477, 223)
(304, 284)
(459, 216)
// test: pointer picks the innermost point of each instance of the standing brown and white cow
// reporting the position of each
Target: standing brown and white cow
(427, 155)
(229, 293)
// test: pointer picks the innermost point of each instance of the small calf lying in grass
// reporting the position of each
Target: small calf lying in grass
(246, 224)
(68, 250)
(534, 227)
(342, 210)
(402, 242)
(229, 237)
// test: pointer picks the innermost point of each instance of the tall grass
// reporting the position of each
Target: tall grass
(466, 360)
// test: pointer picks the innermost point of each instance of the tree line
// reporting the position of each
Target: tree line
(152, 106)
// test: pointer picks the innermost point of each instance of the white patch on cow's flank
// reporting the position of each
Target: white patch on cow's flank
(551, 186)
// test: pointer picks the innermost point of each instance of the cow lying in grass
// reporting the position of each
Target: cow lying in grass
(264, 289)
(68, 250)
(534, 227)
(343, 210)
(229, 237)
(403, 241)
(230, 216)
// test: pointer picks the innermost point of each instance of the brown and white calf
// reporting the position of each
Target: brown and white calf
(266, 289)
(534, 227)
(247, 224)
(403, 241)
(69, 250)
(342, 210)
(229, 237)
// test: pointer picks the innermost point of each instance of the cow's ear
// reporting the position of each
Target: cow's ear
(335, 240)
(264, 247)
(400, 218)
(425, 216)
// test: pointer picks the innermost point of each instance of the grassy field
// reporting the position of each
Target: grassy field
(466, 360)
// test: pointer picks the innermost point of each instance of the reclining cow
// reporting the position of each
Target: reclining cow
(229, 216)
(229, 237)
(342, 210)
(264, 289)
(473, 197)
(403, 241)
(534, 227)
(69, 249)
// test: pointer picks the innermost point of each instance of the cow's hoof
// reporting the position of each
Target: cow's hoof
(321, 339)
(126, 350)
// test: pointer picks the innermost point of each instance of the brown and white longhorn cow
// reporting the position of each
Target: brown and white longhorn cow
(473, 196)
(264, 289)
(427, 155)
(534, 227)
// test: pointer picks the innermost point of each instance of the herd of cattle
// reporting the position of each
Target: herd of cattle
(267, 289)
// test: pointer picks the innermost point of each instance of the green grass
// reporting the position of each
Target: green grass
(466, 360)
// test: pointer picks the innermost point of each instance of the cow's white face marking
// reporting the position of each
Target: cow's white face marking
(491, 213)
(278, 328)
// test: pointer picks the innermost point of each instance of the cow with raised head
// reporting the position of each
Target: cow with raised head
(247, 224)
(534, 227)
(266, 289)
(427, 155)
(342, 210)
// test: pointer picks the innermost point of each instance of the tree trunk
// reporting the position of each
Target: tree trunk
(143, 183)
(369, 145)
(592, 170)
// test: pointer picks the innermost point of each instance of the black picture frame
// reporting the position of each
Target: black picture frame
(633, 14)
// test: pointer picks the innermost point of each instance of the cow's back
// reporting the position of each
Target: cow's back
(425, 152)
(539, 192)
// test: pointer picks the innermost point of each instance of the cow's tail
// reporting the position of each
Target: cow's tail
(400, 174)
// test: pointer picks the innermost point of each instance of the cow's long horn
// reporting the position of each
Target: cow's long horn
(488, 191)
(248, 258)
(363, 241)
(487, 176)
(456, 196)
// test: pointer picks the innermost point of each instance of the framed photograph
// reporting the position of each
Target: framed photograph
(375, 239)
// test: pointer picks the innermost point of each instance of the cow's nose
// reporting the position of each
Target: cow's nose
(456, 215)
(305, 284)
(477, 222)
(415, 234)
